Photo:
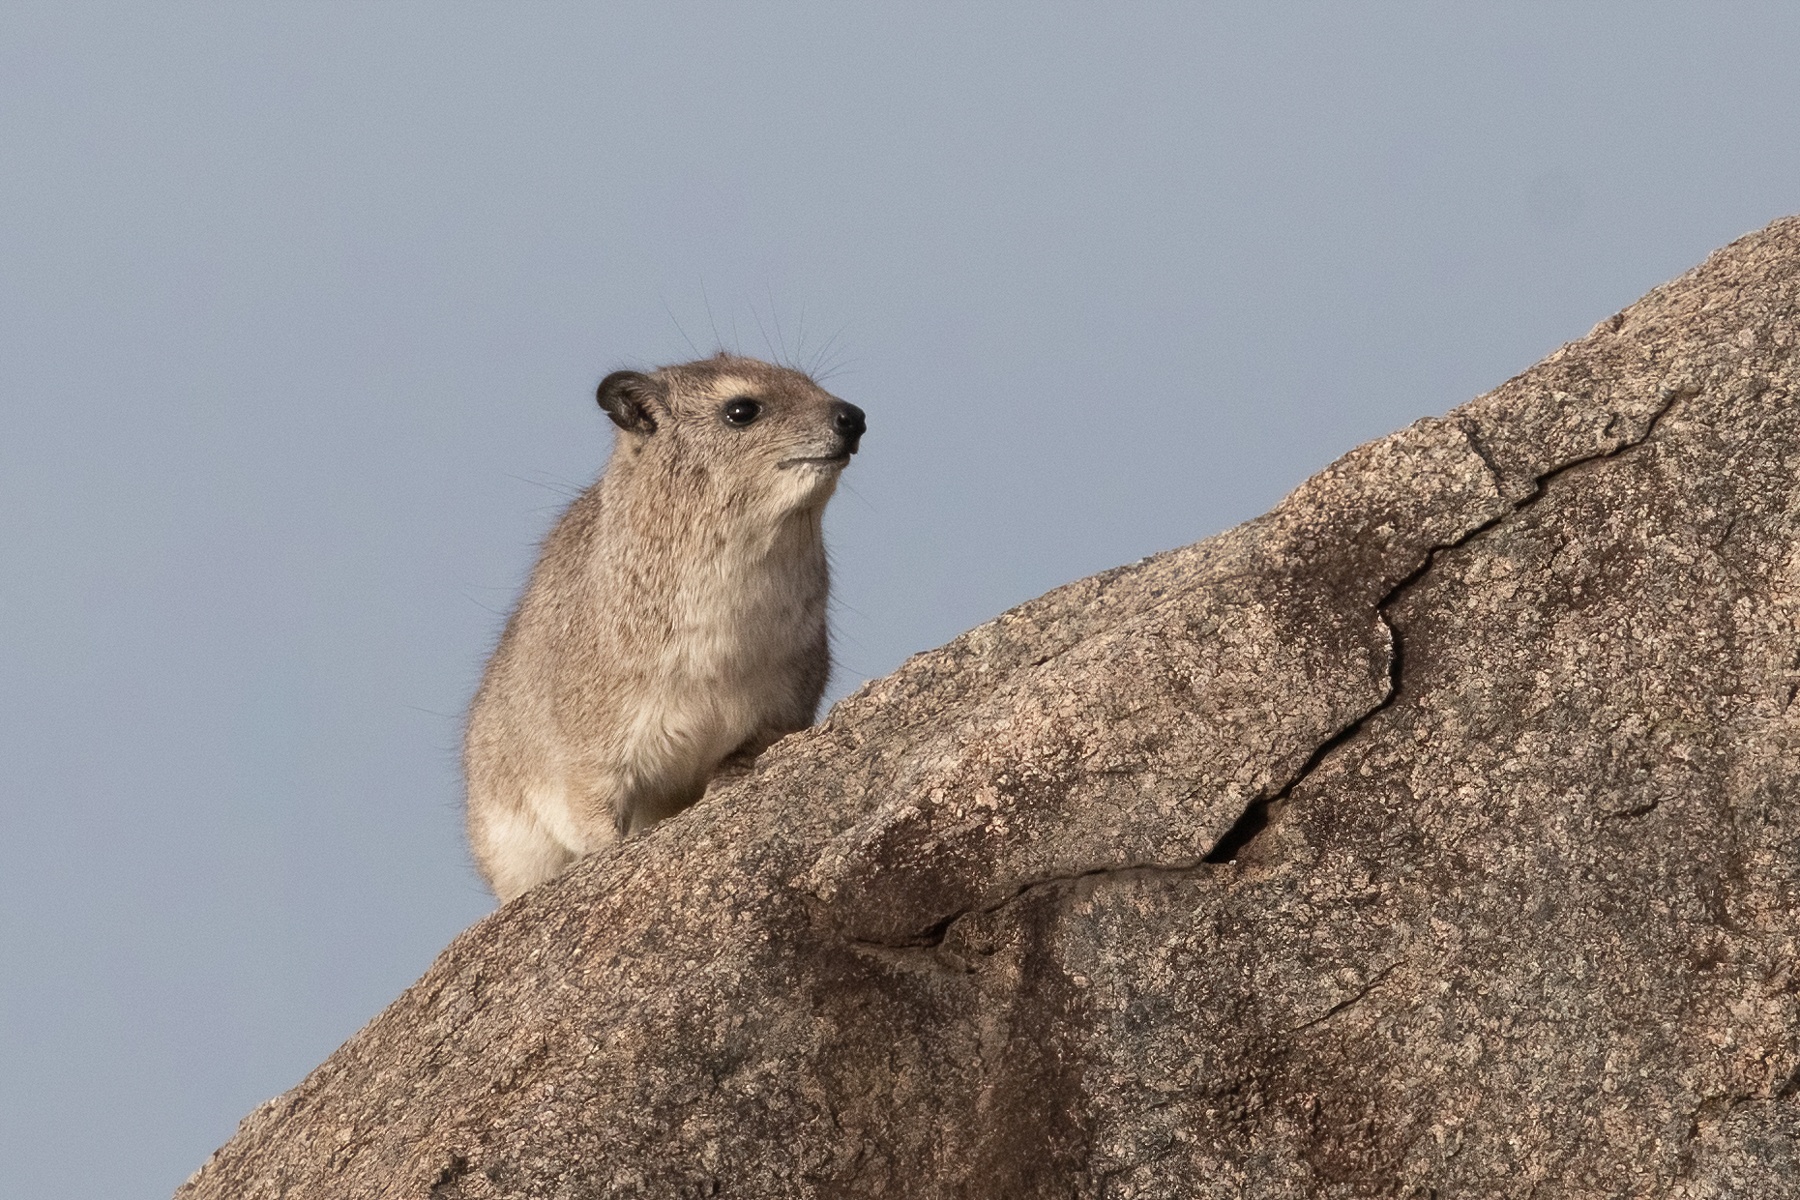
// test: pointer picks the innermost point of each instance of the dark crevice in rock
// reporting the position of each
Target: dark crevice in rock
(1258, 815)
(933, 936)
(1256, 818)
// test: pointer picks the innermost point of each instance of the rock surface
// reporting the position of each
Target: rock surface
(1437, 834)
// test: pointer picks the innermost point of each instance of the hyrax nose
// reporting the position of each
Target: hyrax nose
(848, 420)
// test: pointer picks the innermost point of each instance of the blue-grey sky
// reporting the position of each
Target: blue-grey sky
(302, 306)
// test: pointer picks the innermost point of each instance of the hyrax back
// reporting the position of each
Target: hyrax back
(675, 623)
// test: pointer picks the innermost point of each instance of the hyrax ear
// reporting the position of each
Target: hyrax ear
(631, 399)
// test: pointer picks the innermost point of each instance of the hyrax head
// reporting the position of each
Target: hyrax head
(747, 432)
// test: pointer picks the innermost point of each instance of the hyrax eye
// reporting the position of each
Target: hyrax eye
(741, 412)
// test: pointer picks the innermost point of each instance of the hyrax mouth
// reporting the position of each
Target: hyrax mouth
(822, 460)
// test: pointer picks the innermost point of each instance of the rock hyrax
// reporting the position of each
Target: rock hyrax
(675, 623)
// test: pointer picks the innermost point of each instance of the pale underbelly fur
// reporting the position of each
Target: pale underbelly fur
(712, 696)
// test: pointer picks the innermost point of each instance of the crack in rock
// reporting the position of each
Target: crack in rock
(1362, 994)
(1257, 816)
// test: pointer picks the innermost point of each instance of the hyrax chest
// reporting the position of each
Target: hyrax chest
(746, 640)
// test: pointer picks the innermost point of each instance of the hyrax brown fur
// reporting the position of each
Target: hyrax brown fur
(675, 624)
